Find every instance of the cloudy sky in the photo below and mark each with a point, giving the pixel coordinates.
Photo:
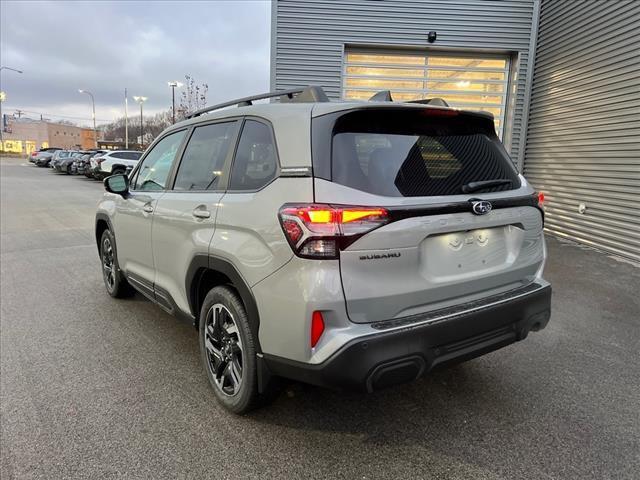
(107, 46)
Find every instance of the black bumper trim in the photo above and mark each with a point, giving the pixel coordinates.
(445, 314)
(387, 358)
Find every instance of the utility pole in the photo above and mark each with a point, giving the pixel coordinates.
(126, 120)
(141, 100)
(3, 96)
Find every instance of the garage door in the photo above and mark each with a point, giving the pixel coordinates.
(472, 82)
(583, 139)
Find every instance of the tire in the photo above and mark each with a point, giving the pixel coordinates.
(117, 171)
(224, 329)
(114, 280)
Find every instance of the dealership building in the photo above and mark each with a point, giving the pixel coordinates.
(562, 79)
(24, 135)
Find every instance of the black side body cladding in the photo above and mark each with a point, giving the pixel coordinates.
(198, 268)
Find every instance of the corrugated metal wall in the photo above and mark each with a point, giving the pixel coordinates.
(309, 37)
(583, 140)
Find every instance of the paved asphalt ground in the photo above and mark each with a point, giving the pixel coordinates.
(94, 387)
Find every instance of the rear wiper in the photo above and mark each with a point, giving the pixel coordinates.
(475, 186)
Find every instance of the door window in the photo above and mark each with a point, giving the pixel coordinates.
(203, 160)
(255, 163)
(155, 169)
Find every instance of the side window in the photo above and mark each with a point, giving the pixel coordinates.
(154, 171)
(255, 163)
(204, 156)
(118, 155)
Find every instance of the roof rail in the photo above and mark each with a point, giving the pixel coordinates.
(385, 96)
(311, 93)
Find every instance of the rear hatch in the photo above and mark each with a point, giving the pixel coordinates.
(458, 222)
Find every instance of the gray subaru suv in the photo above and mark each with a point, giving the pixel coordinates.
(352, 245)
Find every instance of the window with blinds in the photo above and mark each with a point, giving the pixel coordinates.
(469, 82)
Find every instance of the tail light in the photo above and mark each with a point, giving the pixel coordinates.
(541, 199)
(321, 231)
(99, 160)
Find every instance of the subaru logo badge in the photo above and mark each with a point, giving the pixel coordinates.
(481, 207)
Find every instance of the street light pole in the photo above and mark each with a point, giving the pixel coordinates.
(93, 114)
(173, 84)
(126, 120)
(2, 98)
(140, 100)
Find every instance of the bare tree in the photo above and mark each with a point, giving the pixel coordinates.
(153, 126)
(192, 98)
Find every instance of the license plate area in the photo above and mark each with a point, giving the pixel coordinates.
(471, 253)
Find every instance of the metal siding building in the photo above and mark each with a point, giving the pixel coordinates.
(583, 141)
(310, 39)
(580, 99)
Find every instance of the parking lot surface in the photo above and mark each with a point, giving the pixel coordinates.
(98, 388)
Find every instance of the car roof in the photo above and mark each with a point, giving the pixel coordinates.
(276, 111)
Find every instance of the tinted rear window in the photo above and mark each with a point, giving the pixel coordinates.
(409, 153)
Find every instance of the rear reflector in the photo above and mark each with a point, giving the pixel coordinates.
(317, 328)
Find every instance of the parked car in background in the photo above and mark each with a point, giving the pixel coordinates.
(114, 162)
(42, 157)
(83, 164)
(58, 157)
(65, 165)
(78, 160)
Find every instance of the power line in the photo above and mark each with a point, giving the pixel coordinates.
(62, 116)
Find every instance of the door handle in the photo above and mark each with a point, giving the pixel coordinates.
(147, 208)
(201, 213)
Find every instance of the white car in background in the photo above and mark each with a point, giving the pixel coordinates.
(114, 162)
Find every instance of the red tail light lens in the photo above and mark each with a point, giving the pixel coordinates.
(541, 199)
(317, 328)
(320, 231)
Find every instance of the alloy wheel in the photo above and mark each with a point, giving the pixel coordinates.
(108, 267)
(224, 349)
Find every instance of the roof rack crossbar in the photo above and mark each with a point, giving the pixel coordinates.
(435, 101)
(304, 94)
(385, 96)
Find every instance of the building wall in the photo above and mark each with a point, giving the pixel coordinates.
(309, 39)
(583, 139)
(87, 138)
(25, 135)
(64, 136)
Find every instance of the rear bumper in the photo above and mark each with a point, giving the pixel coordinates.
(98, 173)
(405, 353)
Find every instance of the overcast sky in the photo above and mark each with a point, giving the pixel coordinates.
(107, 46)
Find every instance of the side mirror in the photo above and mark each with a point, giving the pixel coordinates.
(118, 184)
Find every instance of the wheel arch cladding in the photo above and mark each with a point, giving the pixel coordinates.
(206, 272)
(102, 224)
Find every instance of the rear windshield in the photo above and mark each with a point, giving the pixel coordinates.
(418, 152)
